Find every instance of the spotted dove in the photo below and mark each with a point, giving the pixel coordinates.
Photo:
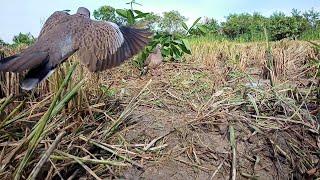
(99, 45)
(154, 59)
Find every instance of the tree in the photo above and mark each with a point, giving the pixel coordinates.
(243, 25)
(172, 22)
(282, 26)
(151, 21)
(2, 43)
(296, 13)
(108, 13)
(212, 25)
(23, 39)
(312, 17)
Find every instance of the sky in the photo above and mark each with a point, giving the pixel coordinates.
(29, 15)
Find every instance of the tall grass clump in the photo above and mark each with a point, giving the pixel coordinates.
(311, 35)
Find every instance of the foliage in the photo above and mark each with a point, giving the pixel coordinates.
(195, 28)
(312, 16)
(244, 24)
(173, 44)
(282, 26)
(172, 22)
(243, 27)
(249, 27)
(173, 48)
(212, 25)
(127, 16)
(23, 39)
(2, 43)
(108, 13)
(151, 21)
(131, 15)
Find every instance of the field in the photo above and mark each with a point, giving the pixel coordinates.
(220, 113)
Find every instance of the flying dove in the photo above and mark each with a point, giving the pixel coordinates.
(99, 45)
(154, 59)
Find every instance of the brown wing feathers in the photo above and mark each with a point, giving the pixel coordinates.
(100, 45)
(134, 40)
(19, 63)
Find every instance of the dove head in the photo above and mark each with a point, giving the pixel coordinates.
(158, 48)
(84, 12)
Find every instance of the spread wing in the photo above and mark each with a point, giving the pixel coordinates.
(104, 45)
(56, 18)
(38, 53)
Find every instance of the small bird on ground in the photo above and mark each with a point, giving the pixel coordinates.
(100, 45)
(153, 61)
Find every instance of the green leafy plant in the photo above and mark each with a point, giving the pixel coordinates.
(195, 28)
(131, 15)
(173, 48)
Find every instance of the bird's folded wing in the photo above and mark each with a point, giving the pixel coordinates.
(104, 45)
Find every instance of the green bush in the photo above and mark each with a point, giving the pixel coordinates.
(22, 38)
(244, 26)
(281, 26)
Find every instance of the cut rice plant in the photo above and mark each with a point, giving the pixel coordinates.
(37, 134)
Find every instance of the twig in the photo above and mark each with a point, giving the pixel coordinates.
(217, 170)
(45, 157)
(80, 161)
(102, 146)
(73, 175)
(193, 165)
(147, 147)
(234, 154)
(283, 120)
(86, 160)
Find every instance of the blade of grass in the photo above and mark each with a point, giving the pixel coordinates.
(131, 106)
(66, 156)
(12, 114)
(270, 60)
(37, 132)
(254, 104)
(79, 161)
(100, 145)
(217, 170)
(6, 103)
(67, 98)
(45, 157)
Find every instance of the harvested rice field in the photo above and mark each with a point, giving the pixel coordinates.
(221, 113)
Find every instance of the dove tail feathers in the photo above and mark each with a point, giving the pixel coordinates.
(36, 75)
(21, 62)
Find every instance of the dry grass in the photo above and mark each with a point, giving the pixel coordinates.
(212, 116)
